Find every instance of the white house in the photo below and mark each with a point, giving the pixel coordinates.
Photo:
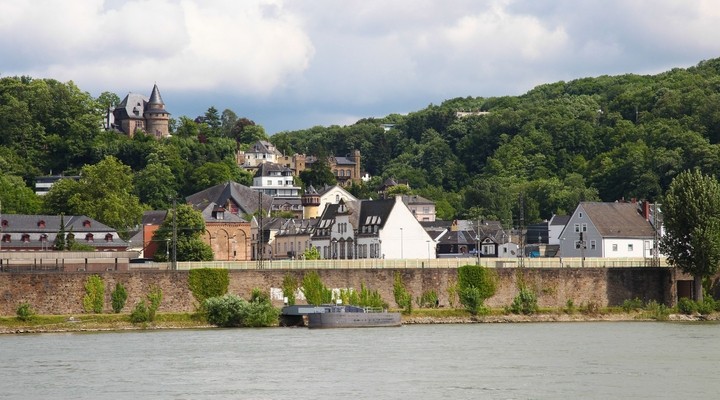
(371, 229)
(608, 230)
(276, 181)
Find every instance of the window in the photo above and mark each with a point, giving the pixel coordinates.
(43, 237)
(577, 244)
(630, 247)
(426, 210)
(592, 245)
(89, 237)
(109, 237)
(577, 227)
(269, 182)
(614, 247)
(584, 227)
(86, 224)
(41, 224)
(488, 249)
(6, 238)
(580, 215)
(25, 238)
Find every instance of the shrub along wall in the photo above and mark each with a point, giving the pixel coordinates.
(62, 293)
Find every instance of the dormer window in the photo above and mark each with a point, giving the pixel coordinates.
(4, 223)
(41, 224)
(43, 238)
(25, 238)
(6, 238)
(109, 237)
(86, 224)
(89, 237)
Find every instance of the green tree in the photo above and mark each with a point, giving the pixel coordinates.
(94, 299)
(16, 197)
(118, 297)
(691, 212)
(319, 174)
(155, 185)
(475, 285)
(314, 290)
(190, 227)
(105, 193)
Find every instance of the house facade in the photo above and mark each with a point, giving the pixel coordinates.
(422, 208)
(371, 229)
(20, 232)
(615, 230)
(226, 209)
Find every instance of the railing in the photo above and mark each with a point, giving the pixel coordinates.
(434, 263)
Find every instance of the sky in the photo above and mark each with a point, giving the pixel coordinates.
(295, 64)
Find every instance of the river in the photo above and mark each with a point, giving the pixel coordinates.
(590, 360)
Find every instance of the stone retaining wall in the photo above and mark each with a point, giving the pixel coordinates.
(62, 293)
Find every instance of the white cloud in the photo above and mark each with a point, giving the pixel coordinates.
(249, 46)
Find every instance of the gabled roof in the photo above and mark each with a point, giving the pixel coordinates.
(266, 168)
(155, 217)
(31, 223)
(264, 147)
(132, 106)
(375, 212)
(559, 220)
(416, 200)
(617, 219)
(245, 198)
(344, 161)
(457, 237)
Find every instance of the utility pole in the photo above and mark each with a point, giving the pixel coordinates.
(174, 236)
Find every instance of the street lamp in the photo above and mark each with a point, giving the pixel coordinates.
(402, 256)
(428, 246)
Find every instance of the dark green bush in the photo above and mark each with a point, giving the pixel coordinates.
(24, 311)
(139, 313)
(118, 297)
(475, 285)
(686, 306)
(429, 299)
(632, 305)
(232, 311)
(707, 306)
(525, 302)
(154, 299)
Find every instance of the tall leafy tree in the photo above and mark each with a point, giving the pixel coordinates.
(189, 227)
(16, 197)
(691, 213)
(105, 192)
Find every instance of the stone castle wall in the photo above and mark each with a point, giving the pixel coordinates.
(62, 292)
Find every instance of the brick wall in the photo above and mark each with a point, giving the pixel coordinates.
(61, 293)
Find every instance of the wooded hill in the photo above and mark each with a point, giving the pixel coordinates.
(604, 138)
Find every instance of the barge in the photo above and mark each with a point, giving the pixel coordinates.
(339, 316)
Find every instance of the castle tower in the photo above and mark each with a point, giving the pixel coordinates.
(356, 171)
(157, 119)
(311, 203)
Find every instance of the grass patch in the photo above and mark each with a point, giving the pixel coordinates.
(97, 322)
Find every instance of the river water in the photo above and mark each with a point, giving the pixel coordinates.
(590, 360)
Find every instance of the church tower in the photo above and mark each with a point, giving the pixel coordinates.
(157, 119)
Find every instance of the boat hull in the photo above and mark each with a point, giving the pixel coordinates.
(353, 320)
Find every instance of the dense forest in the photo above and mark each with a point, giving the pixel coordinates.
(515, 158)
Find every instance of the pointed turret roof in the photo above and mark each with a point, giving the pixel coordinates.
(155, 97)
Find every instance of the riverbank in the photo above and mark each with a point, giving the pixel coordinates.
(115, 322)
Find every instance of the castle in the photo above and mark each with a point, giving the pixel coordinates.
(139, 113)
